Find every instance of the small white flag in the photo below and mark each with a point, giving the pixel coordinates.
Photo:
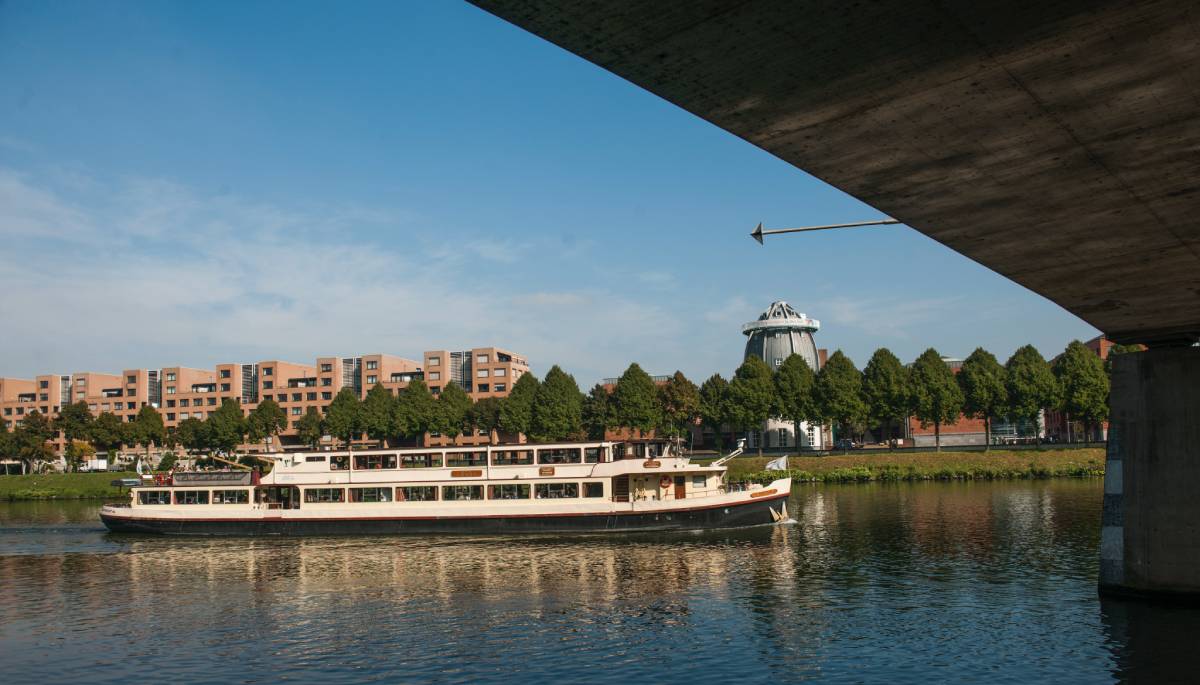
(779, 464)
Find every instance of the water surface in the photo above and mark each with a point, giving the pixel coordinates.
(986, 582)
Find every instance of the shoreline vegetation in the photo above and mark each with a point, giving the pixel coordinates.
(855, 467)
(882, 466)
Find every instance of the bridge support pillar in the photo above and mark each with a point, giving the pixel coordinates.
(1150, 540)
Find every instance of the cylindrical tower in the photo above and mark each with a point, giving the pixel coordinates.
(777, 334)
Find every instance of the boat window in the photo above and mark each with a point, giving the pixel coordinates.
(230, 496)
(512, 457)
(370, 494)
(591, 455)
(416, 493)
(466, 459)
(557, 490)
(508, 491)
(698, 481)
(154, 497)
(452, 493)
(321, 458)
(364, 462)
(562, 455)
(420, 461)
(324, 495)
(593, 489)
(191, 497)
(339, 462)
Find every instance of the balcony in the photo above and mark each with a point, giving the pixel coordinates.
(204, 387)
(302, 383)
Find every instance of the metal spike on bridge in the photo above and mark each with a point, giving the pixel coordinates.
(759, 231)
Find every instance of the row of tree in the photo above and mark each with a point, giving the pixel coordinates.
(884, 393)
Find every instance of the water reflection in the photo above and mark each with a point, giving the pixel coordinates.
(906, 583)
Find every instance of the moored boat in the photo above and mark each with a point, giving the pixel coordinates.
(563, 487)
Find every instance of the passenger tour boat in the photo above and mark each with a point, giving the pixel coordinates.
(566, 487)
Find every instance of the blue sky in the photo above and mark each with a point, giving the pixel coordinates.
(194, 183)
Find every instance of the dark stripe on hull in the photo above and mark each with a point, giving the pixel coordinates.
(746, 514)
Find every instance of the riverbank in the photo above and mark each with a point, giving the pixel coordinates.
(880, 465)
(61, 486)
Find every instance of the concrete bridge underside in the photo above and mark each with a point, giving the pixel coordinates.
(1056, 143)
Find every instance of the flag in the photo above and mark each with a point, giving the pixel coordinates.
(779, 464)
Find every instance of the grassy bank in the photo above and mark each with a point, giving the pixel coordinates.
(872, 465)
(61, 486)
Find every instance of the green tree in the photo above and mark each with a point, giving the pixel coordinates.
(795, 393)
(634, 401)
(679, 404)
(1031, 385)
(936, 397)
(557, 408)
(714, 404)
(885, 389)
(1084, 384)
(415, 409)
(226, 427)
(839, 394)
(147, 429)
(311, 428)
(485, 415)
(344, 418)
(192, 433)
(107, 432)
(981, 380)
(451, 410)
(76, 452)
(516, 416)
(167, 462)
(751, 399)
(30, 440)
(7, 448)
(75, 422)
(266, 420)
(380, 415)
(595, 412)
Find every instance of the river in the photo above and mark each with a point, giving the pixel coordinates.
(900, 583)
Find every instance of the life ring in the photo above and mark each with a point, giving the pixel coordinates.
(664, 482)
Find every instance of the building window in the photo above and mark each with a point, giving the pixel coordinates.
(44, 385)
(370, 494)
(297, 411)
(198, 415)
(435, 389)
(372, 380)
(311, 396)
(326, 382)
(171, 404)
(482, 358)
(508, 491)
(281, 399)
(80, 382)
(416, 493)
(183, 416)
(224, 387)
(434, 361)
(564, 455)
(500, 372)
(296, 396)
(170, 416)
(268, 371)
(512, 457)
(79, 395)
(268, 385)
(211, 401)
(557, 490)
(326, 368)
(131, 379)
(458, 493)
(499, 387)
(44, 397)
(224, 373)
(185, 403)
(326, 495)
(131, 405)
(327, 396)
(482, 387)
(171, 390)
(482, 373)
(593, 489)
(371, 366)
(154, 497)
(230, 496)
(191, 497)
(435, 375)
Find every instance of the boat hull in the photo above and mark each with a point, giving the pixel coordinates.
(760, 511)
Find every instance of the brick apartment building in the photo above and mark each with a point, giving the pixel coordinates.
(181, 392)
